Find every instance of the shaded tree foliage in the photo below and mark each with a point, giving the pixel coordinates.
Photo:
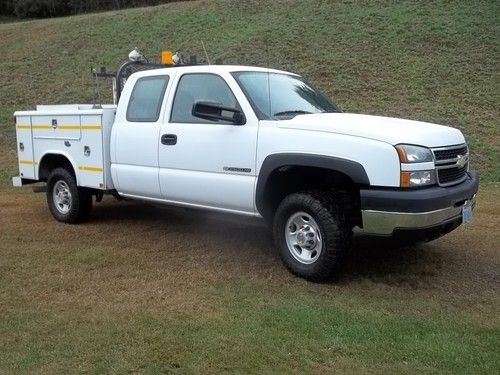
(55, 8)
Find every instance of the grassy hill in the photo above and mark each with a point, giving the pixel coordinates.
(438, 61)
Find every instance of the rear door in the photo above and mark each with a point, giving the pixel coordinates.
(136, 135)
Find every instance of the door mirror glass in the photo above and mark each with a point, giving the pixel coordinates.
(219, 105)
(216, 112)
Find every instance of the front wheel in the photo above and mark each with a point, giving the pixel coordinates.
(67, 202)
(312, 234)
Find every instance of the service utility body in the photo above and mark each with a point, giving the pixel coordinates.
(252, 141)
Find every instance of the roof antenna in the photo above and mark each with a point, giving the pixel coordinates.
(97, 96)
(206, 54)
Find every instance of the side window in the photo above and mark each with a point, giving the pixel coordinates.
(145, 102)
(200, 87)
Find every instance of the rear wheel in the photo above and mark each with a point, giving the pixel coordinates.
(67, 202)
(312, 234)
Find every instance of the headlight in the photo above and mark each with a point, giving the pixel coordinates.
(414, 154)
(418, 178)
(410, 154)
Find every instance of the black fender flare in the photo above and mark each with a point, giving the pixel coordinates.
(352, 169)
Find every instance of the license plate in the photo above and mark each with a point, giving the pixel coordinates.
(467, 213)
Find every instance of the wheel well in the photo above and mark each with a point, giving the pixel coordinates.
(50, 162)
(286, 180)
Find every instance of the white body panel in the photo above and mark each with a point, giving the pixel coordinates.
(385, 129)
(379, 159)
(134, 158)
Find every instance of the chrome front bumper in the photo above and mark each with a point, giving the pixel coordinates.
(385, 222)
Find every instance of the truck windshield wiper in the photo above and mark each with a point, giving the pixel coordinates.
(292, 112)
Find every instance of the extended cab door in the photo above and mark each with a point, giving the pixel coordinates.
(203, 162)
(135, 136)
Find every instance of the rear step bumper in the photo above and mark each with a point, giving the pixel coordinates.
(17, 181)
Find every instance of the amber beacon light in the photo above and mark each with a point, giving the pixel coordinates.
(167, 57)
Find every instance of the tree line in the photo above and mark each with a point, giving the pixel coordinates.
(55, 8)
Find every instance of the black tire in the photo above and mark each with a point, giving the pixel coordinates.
(80, 198)
(335, 233)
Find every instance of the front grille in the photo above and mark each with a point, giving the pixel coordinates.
(452, 164)
(449, 153)
(451, 175)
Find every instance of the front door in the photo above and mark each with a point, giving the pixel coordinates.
(203, 162)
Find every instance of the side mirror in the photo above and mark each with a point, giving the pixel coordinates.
(214, 112)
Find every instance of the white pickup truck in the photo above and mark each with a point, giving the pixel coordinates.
(257, 142)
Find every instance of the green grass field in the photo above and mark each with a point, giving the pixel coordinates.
(146, 290)
(438, 61)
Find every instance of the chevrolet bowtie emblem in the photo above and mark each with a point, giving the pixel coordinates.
(461, 161)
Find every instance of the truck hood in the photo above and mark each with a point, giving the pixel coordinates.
(385, 129)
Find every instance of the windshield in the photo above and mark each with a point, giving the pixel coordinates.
(281, 96)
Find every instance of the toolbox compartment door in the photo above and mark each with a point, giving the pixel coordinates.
(25, 147)
(65, 127)
(89, 153)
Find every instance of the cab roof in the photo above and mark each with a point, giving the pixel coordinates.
(208, 69)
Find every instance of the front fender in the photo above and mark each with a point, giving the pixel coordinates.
(352, 169)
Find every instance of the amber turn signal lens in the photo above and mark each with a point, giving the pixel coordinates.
(405, 179)
(402, 154)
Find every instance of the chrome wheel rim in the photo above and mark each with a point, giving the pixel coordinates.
(303, 238)
(61, 197)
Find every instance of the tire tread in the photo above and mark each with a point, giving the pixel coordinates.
(335, 227)
(81, 204)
